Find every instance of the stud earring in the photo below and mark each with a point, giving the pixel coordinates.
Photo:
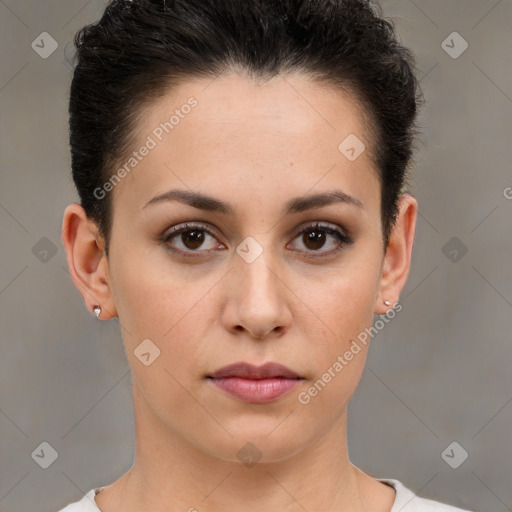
(97, 311)
(387, 302)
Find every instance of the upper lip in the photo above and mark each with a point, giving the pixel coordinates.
(249, 371)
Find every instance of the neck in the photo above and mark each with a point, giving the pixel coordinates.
(170, 474)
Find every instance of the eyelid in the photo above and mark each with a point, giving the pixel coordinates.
(319, 224)
(186, 226)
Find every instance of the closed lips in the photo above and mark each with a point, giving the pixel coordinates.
(244, 370)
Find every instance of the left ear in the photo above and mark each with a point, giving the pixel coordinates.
(397, 260)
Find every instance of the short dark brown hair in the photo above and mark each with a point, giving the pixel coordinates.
(140, 48)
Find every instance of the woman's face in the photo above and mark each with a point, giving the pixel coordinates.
(244, 284)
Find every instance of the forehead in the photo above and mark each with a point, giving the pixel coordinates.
(230, 133)
(287, 105)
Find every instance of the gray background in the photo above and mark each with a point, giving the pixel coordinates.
(438, 373)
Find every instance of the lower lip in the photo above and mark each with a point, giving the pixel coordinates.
(256, 391)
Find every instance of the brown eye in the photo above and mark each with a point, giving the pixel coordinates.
(315, 237)
(190, 238)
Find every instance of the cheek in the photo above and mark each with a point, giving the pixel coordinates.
(157, 302)
(149, 293)
(343, 308)
(159, 320)
(345, 301)
(338, 352)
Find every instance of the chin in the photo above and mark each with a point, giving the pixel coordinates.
(262, 443)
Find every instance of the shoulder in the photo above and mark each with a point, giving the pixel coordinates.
(86, 504)
(407, 501)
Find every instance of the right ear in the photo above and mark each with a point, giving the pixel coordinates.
(87, 261)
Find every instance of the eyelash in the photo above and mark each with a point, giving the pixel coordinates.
(343, 239)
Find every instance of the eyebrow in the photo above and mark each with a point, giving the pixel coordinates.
(295, 205)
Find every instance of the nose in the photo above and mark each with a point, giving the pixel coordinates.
(257, 299)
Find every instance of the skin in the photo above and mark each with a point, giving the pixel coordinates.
(255, 146)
